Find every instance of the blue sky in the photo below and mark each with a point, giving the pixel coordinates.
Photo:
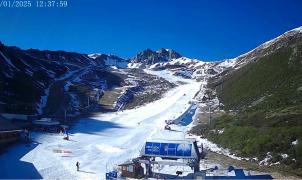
(207, 30)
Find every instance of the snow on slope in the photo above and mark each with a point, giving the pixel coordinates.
(168, 75)
(110, 60)
(8, 61)
(101, 142)
(184, 61)
(191, 63)
(136, 65)
(262, 50)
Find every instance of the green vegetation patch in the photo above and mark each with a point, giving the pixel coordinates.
(263, 104)
(248, 139)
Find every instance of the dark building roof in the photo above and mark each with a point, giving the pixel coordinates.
(6, 125)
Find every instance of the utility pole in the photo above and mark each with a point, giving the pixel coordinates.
(88, 102)
(105, 85)
(218, 104)
(210, 116)
(210, 109)
(221, 87)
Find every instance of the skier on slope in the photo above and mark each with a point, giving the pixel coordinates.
(78, 165)
(67, 136)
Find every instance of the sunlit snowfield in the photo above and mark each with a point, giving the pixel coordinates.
(100, 143)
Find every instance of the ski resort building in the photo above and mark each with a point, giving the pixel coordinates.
(169, 151)
(11, 116)
(9, 133)
(132, 169)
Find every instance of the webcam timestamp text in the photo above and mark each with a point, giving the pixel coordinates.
(33, 3)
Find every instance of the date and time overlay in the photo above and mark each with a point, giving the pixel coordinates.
(33, 4)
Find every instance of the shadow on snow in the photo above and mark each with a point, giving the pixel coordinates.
(187, 117)
(93, 126)
(12, 167)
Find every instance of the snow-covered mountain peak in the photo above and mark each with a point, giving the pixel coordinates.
(298, 29)
(95, 55)
(149, 57)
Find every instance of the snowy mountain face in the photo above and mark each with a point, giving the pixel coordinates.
(35, 70)
(266, 77)
(284, 48)
(149, 57)
(276, 59)
(26, 75)
(288, 39)
(260, 94)
(168, 59)
(110, 60)
(49, 82)
(185, 67)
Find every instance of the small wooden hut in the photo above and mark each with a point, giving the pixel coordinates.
(132, 170)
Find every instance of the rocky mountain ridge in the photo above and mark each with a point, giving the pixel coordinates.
(35, 70)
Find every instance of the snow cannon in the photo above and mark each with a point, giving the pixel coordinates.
(167, 127)
(186, 149)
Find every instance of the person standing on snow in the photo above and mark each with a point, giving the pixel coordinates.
(67, 136)
(78, 166)
(26, 135)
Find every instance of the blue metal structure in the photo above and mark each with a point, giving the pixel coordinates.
(168, 149)
(185, 149)
(172, 149)
(111, 175)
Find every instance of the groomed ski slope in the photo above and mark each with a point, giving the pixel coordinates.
(99, 143)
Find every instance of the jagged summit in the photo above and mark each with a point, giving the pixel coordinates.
(149, 56)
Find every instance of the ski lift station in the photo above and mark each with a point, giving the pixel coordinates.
(172, 149)
(186, 150)
(178, 153)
